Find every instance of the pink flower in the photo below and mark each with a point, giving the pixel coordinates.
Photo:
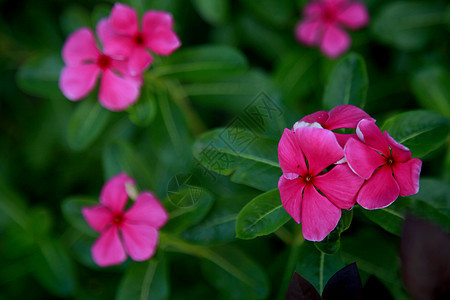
(134, 232)
(342, 116)
(121, 37)
(309, 193)
(385, 164)
(323, 24)
(85, 62)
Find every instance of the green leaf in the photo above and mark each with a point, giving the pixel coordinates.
(71, 209)
(278, 13)
(86, 124)
(73, 18)
(144, 110)
(435, 192)
(214, 12)
(387, 218)
(431, 87)
(406, 25)
(235, 274)
(145, 280)
(347, 83)
(39, 76)
(202, 63)
(332, 242)
(261, 216)
(421, 131)
(13, 206)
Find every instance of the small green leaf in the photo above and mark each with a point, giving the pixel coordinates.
(215, 12)
(347, 83)
(71, 209)
(143, 112)
(332, 242)
(421, 131)
(87, 123)
(144, 281)
(261, 216)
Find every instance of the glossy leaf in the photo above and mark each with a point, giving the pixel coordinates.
(347, 83)
(71, 209)
(421, 131)
(214, 12)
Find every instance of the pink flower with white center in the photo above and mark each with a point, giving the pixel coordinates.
(324, 21)
(85, 63)
(122, 38)
(134, 231)
(309, 193)
(385, 164)
(342, 116)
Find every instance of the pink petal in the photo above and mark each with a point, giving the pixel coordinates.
(319, 147)
(124, 19)
(291, 196)
(400, 153)
(80, 47)
(345, 116)
(290, 155)
(312, 9)
(147, 210)
(320, 117)
(319, 216)
(104, 30)
(309, 32)
(334, 42)
(379, 191)
(98, 217)
(117, 93)
(340, 185)
(119, 47)
(139, 60)
(107, 249)
(342, 138)
(76, 82)
(153, 19)
(140, 241)
(362, 159)
(354, 16)
(114, 194)
(372, 136)
(162, 40)
(407, 176)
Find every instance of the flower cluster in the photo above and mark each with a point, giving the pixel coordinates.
(324, 171)
(134, 232)
(124, 57)
(323, 23)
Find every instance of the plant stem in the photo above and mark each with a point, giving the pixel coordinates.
(322, 259)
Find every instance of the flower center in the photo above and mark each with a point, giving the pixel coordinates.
(104, 61)
(117, 219)
(139, 39)
(390, 161)
(308, 178)
(329, 15)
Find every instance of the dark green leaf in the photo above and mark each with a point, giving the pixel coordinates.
(214, 12)
(261, 216)
(421, 131)
(71, 209)
(347, 83)
(73, 18)
(143, 112)
(276, 13)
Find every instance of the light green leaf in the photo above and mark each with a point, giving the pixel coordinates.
(347, 83)
(71, 209)
(261, 216)
(215, 12)
(421, 131)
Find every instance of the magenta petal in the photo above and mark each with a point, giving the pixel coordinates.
(407, 176)
(98, 217)
(114, 194)
(362, 159)
(117, 93)
(124, 19)
(153, 19)
(147, 210)
(312, 9)
(319, 216)
(340, 185)
(77, 81)
(345, 116)
(119, 46)
(320, 117)
(107, 249)
(104, 30)
(308, 32)
(320, 148)
(354, 16)
(80, 47)
(139, 60)
(399, 152)
(371, 135)
(334, 42)
(140, 240)
(343, 138)
(379, 191)
(290, 155)
(291, 196)
(162, 41)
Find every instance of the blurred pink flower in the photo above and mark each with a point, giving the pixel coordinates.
(309, 193)
(121, 37)
(385, 164)
(84, 63)
(134, 232)
(324, 21)
(342, 116)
